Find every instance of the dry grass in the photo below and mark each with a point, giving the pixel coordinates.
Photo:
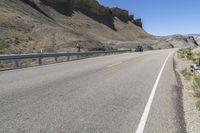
(198, 105)
(186, 74)
(196, 85)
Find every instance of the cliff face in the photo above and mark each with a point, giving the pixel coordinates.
(94, 7)
(59, 25)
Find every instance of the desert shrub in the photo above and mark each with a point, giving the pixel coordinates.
(30, 38)
(3, 44)
(181, 53)
(185, 53)
(186, 74)
(196, 86)
(189, 55)
(17, 41)
(196, 57)
(1, 65)
(198, 105)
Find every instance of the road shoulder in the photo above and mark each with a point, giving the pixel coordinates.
(192, 116)
(166, 114)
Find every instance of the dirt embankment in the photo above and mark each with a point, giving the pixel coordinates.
(192, 115)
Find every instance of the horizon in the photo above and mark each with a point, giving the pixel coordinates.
(166, 17)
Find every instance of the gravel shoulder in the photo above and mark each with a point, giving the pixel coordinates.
(192, 115)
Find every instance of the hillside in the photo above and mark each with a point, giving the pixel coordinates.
(59, 25)
(197, 38)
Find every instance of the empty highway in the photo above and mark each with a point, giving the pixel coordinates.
(126, 93)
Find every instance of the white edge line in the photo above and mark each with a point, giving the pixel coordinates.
(143, 120)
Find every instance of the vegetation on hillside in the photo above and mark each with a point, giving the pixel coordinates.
(187, 74)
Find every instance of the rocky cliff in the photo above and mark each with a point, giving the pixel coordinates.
(94, 7)
(59, 25)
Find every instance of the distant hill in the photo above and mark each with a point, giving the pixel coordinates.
(196, 37)
(59, 25)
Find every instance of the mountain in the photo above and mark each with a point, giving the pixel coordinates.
(196, 37)
(59, 25)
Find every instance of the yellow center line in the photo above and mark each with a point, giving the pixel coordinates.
(114, 64)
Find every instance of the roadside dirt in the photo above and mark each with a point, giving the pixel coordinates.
(192, 115)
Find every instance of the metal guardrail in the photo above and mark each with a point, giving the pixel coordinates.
(40, 56)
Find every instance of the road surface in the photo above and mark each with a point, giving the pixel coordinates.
(108, 94)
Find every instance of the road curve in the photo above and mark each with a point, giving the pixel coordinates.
(98, 95)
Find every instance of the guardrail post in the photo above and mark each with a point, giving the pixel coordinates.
(56, 59)
(79, 50)
(17, 63)
(40, 61)
(68, 58)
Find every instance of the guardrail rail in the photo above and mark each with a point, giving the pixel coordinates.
(40, 56)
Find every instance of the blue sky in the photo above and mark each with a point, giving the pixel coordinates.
(163, 17)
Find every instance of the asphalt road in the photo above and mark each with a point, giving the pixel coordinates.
(105, 94)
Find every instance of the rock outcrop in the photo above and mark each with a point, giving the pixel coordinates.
(138, 22)
(119, 12)
(94, 7)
